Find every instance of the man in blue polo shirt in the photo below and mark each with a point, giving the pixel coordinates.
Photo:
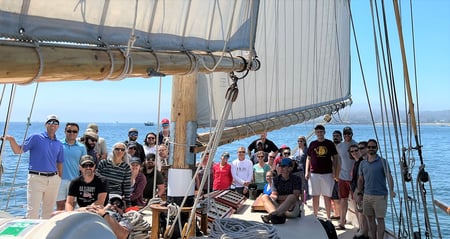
(45, 168)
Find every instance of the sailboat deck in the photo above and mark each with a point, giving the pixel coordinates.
(308, 226)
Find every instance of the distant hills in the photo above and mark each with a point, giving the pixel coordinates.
(435, 117)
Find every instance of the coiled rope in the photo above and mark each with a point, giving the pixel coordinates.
(237, 228)
(141, 227)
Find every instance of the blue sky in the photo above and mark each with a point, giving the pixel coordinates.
(136, 100)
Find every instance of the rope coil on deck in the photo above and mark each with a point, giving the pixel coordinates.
(237, 228)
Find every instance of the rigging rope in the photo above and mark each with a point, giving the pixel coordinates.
(24, 136)
(390, 113)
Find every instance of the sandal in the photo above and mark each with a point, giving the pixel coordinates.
(335, 217)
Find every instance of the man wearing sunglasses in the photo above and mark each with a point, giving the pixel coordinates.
(372, 190)
(45, 168)
(88, 188)
(73, 150)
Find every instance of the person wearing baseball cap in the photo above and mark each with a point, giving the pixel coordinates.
(164, 134)
(284, 200)
(88, 188)
(45, 167)
(132, 139)
(100, 147)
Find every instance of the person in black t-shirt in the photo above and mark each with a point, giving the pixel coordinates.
(88, 188)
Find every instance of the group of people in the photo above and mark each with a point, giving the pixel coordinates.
(77, 172)
(337, 170)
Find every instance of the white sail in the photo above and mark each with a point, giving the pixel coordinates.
(304, 49)
(157, 25)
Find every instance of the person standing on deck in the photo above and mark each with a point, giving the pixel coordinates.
(355, 154)
(149, 173)
(100, 147)
(73, 150)
(335, 202)
(164, 134)
(242, 171)
(345, 173)
(90, 141)
(321, 168)
(45, 168)
(259, 147)
(222, 173)
(268, 145)
(299, 157)
(132, 137)
(150, 143)
(372, 189)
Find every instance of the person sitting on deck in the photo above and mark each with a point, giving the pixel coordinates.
(284, 200)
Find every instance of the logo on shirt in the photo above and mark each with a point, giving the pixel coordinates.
(321, 151)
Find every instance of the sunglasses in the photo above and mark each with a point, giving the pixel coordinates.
(371, 147)
(287, 153)
(241, 152)
(120, 149)
(150, 137)
(134, 148)
(71, 131)
(260, 156)
(133, 134)
(354, 151)
(87, 165)
(53, 122)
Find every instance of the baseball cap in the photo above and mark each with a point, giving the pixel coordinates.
(89, 133)
(226, 155)
(51, 117)
(86, 159)
(93, 126)
(347, 130)
(165, 122)
(286, 162)
(135, 160)
(131, 144)
(132, 130)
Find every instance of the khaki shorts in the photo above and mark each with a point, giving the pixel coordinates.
(375, 205)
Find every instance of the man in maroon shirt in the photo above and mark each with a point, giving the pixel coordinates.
(321, 169)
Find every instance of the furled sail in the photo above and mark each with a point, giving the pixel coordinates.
(304, 47)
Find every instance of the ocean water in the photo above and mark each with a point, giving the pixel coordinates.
(434, 139)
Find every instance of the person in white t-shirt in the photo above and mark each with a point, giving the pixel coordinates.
(242, 171)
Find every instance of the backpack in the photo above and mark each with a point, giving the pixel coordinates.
(329, 228)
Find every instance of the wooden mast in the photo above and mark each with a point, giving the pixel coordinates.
(184, 118)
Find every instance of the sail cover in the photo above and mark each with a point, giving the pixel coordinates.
(177, 25)
(304, 48)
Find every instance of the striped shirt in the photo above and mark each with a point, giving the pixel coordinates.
(118, 178)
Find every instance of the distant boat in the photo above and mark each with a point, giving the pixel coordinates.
(149, 123)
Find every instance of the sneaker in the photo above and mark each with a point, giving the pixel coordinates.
(265, 218)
